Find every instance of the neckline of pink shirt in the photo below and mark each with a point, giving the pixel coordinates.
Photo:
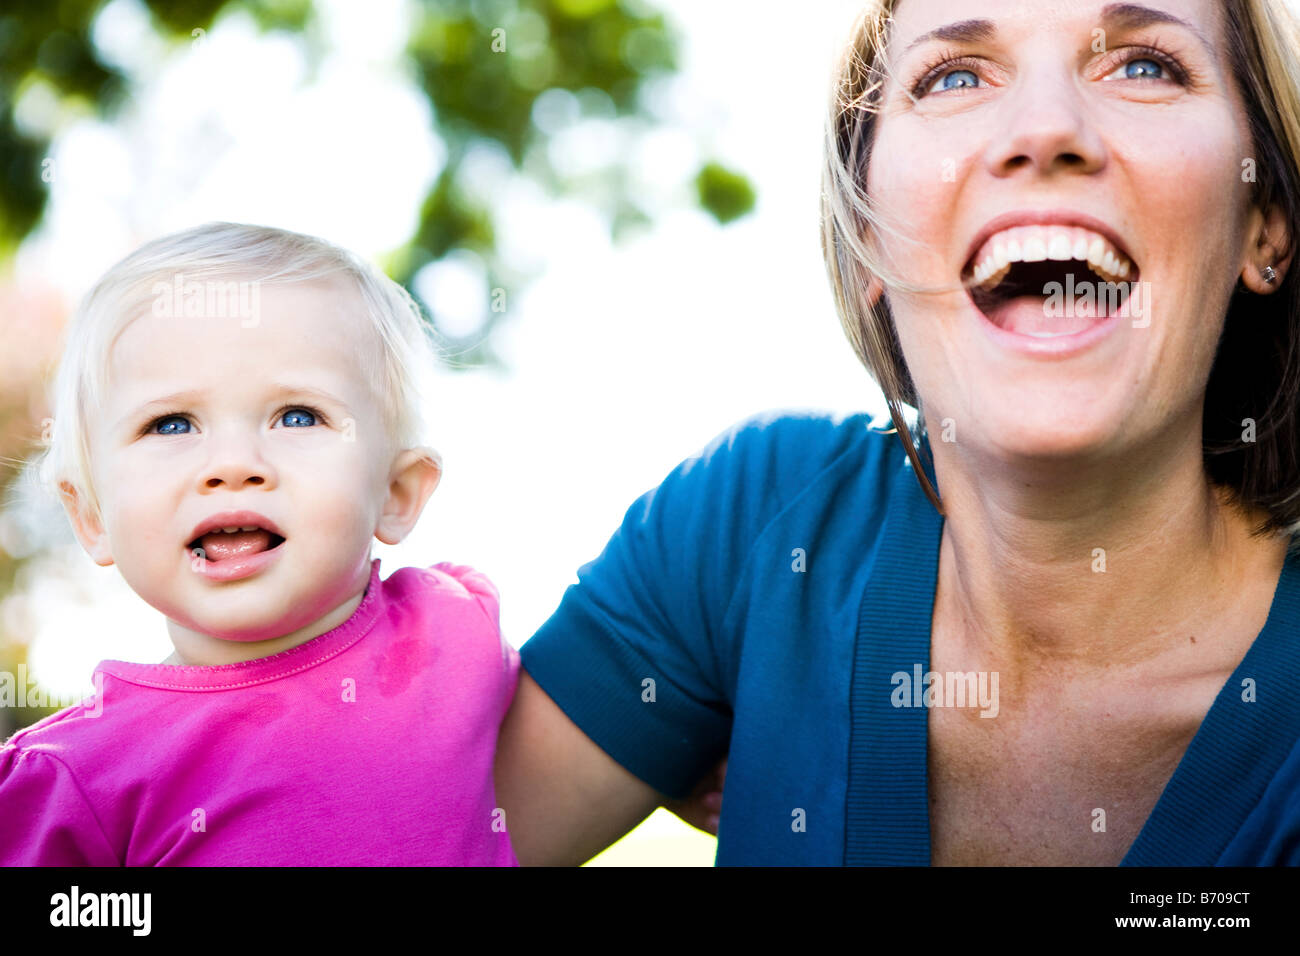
(242, 674)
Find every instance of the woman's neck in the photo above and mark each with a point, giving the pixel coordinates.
(1096, 564)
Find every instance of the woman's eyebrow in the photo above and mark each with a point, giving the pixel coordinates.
(1116, 16)
(964, 31)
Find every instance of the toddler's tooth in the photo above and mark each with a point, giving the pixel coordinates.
(1124, 269)
(1059, 248)
(999, 255)
(1035, 249)
(1014, 251)
(1080, 250)
(1109, 263)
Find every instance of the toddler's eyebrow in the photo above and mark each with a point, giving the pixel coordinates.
(190, 395)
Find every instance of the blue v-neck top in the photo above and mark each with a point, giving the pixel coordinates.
(761, 603)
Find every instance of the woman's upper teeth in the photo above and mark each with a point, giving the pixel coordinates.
(1036, 243)
(245, 528)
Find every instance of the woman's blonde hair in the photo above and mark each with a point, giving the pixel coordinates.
(1256, 372)
(216, 255)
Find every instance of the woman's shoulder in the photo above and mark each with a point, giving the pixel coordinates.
(783, 455)
(813, 436)
(805, 472)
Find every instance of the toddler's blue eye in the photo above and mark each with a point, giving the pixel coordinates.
(169, 431)
(302, 412)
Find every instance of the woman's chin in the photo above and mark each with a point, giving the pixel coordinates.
(1040, 434)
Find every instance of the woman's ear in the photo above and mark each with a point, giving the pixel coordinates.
(415, 474)
(1272, 246)
(89, 528)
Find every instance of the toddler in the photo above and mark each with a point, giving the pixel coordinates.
(237, 414)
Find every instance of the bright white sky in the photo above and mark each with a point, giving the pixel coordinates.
(624, 360)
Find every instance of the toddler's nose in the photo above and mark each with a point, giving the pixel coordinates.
(234, 467)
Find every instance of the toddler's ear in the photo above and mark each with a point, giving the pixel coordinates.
(416, 472)
(87, 527)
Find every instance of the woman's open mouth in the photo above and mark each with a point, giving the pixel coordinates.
(1050, 282)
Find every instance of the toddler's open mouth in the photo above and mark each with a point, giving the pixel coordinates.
(223, 545)
(230, 535)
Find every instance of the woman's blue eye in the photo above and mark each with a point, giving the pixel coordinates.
(172, 418)
(947, 76)
(957, 73)
(1128, 68)
(301, 412)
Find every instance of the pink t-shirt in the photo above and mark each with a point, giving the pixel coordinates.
(371, 744)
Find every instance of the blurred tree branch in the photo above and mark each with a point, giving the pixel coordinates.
(482, 64)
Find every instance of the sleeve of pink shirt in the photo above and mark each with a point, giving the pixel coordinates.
(489, 599)
(62, 829)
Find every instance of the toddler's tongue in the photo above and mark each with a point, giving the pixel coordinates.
(223, 545)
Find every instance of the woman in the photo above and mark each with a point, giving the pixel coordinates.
(1095, 549)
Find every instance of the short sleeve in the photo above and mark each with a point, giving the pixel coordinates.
(488, 598)
(478, 584)
(44, 817)
(636, 654)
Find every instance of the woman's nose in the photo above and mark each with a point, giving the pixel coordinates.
(1044, 123)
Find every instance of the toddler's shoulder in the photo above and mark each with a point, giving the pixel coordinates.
(45, 817)
(461, 579)
(82, 721)
(461, 609)
(49, 786)
(450, 592)
(451, 584)
(89, 739)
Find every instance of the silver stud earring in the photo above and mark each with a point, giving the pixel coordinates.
(1269, 274)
